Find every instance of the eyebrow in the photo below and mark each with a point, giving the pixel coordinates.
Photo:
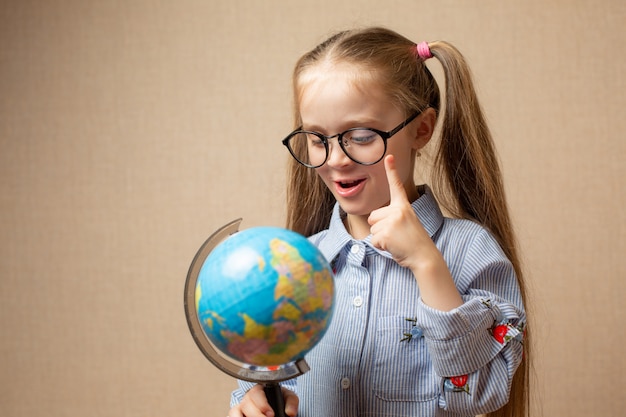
(355, 123)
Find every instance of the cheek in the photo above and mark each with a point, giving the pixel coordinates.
(406, 168)
(380, 181)
(405, 161)
(322, 172)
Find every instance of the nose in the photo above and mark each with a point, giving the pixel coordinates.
(336, 155)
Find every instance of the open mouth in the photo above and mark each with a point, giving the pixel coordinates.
(349, 184)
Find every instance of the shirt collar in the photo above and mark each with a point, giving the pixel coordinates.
(337, 237)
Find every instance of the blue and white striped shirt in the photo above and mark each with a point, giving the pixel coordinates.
(362, 367)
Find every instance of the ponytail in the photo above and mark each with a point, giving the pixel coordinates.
(466, 159)
(466, 166)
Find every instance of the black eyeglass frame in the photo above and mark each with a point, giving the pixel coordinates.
(384, 135)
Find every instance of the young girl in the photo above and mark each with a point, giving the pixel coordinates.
(429, 311)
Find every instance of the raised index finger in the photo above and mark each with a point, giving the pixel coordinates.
(397, 193)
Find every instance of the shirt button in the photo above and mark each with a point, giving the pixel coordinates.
(357, 301)
(354, 249)
(345, 383)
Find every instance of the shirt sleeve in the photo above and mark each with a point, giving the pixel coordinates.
(477, 347)
(244, 386)
(237, 395)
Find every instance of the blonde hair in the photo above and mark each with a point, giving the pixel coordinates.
(468, 178)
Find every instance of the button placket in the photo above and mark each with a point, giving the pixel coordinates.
(356, 254)
(355, 258)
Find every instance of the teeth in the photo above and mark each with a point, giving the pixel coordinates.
(349, 184)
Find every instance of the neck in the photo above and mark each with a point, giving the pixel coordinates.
(357, 226)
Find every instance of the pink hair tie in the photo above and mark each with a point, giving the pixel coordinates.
(423, 51)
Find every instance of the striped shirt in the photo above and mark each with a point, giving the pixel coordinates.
(387, 354)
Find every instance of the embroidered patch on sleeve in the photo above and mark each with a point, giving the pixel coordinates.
(457, 384)
(504, 330)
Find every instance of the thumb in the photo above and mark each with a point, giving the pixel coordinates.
(397, 193)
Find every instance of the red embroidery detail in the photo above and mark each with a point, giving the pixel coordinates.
(500, 331)
(459, 381)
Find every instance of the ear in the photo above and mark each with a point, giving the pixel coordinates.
(425, 128)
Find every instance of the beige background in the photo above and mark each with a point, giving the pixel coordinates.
(130, 130)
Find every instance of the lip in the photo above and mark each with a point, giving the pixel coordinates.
(351, 191)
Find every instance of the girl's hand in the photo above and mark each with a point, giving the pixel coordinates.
(396, 229)
(254, 404)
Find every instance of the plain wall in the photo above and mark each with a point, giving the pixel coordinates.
(131, 130)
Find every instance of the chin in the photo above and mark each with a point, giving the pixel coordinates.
(355, 209)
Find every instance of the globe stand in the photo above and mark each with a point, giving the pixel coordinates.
(268, 377)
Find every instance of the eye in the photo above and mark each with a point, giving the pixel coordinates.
(314, 141)
(361, 137)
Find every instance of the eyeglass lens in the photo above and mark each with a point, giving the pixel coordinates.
(361, 145)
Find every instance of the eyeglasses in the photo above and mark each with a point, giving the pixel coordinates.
(365, 146)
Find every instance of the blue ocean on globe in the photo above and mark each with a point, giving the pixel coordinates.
(264, 296)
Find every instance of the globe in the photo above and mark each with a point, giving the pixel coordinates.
(264, 296)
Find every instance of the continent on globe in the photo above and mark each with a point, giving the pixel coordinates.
(264, 296)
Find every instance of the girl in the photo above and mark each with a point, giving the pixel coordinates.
(429, 311)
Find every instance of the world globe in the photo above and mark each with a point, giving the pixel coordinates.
(264, 296)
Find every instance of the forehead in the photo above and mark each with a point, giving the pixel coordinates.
(328, 92)
(333, 74)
